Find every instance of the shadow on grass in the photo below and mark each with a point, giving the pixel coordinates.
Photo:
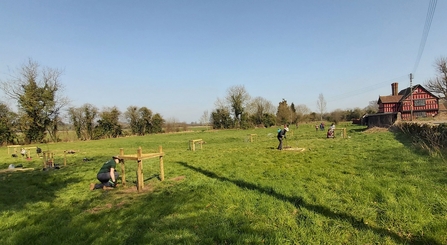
(19, 189)
(299, 202)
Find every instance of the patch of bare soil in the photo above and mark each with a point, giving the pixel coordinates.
(293, 149)
(376, 130)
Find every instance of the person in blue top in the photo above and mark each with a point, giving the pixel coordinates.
(107, 175)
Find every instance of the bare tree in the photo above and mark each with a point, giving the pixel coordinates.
(438, 85)
(205, 119)
(237, 97)
(321, 105)
(258, 108)
(372, 107)
(302, 111)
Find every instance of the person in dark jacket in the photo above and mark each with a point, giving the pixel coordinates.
(107, 175)
(282, 135)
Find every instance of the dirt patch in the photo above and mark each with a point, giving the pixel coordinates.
(178, 178)
(376, 130)
(293, 149)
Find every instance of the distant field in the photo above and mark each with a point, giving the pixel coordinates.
(372, 188)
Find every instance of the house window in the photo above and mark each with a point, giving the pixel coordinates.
(420, 114)
(419, 103)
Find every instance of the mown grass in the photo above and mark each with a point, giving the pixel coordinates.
(372, 188)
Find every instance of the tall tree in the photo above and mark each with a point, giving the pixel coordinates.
(237, 97)
(132, 117)
(157, 124)
(321, 105)
(83, 120)
(90, 115)
(108, 124)
(37, 92)
(75, 117)
(283, 114)
(8, 125)
(438, 85)
(220, 119)
(145, 119)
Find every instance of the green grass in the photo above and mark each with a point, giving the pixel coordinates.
(372, 188)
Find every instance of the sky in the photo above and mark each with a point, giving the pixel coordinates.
(178, 57)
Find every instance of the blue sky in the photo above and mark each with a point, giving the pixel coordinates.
(178, 57)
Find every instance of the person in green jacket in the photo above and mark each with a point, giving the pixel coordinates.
(107, 175)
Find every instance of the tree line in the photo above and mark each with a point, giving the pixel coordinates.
(37, 90)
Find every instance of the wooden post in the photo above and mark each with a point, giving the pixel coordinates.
(123, 168)
(44, 159)
(162, 170)
(193, 145)
(140, 180)
(52, 159)
(65, 158)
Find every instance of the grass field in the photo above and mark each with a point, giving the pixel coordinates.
(372, 188)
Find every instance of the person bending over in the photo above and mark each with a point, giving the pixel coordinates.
(282, 135)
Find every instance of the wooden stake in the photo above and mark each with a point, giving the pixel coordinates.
(140, 179)
(123, 168)
(162, 170)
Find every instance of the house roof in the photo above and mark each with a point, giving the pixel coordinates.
(390, 98)
(402, 95)
(406, 92)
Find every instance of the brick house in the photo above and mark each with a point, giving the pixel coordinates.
(397, 106)
(425, 104)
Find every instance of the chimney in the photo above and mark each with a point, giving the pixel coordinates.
(394, 88)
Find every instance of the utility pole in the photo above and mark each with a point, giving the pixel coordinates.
(411, 96)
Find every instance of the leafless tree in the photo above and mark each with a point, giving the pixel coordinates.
(321, 105)
(258, 108)
(438, 85)
(302, 112)
(205, 119)
(237, 97)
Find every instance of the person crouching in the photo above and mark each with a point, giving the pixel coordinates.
(107, 175)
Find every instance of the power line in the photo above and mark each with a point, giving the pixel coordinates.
(428, 20)
(364, 89)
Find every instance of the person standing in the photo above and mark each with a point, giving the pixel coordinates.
(107, 175)
(282, 135)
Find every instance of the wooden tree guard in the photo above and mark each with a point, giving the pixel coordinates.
(48, 159)
(343, 132)
(192, 144)
(14, 148)
(252, 137)
(139, 157)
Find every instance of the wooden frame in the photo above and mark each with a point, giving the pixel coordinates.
(192, 144)
(344, 135)
(252, 137)
(48, 159)
(139, 157)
